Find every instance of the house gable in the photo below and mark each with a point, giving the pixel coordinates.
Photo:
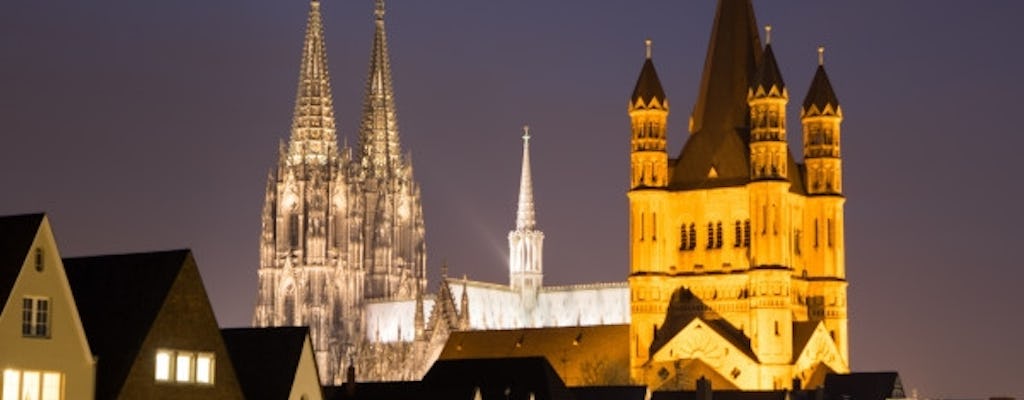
(134, 305)
(54, 340)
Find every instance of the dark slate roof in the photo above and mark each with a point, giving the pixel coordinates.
(720, 395)
(863, 386)
(265, 359)
(768, 73)
(17, 232)
(648, 86)
(378, 391)
(820, 93)
(118, 299)
(609, 392)
(720, 119)
(497, 379)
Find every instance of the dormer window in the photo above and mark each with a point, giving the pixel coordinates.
(184, 367)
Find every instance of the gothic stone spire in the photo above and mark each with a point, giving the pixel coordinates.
(313, 135)
(378, 133)
(525, 216)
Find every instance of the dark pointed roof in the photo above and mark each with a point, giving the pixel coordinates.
(648, 86)
(720, 120)
(265, 359)
(864, 386)
(118, 299)
(820, 94)
(768, 74)
(497, 379)
(734, 53)
(17, 232)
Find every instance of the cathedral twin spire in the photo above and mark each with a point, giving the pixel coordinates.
(313, 135)
(378, 131)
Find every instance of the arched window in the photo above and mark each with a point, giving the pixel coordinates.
(739, 234)
(718, 235)
(293, 230)
(711, 236)
(746, 233)
(693, 236)
(683, 240)
(816, 233)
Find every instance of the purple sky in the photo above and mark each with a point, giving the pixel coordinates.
(145, 125)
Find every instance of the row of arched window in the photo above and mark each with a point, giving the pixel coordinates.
(715, 235)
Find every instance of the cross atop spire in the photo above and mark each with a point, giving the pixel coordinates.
(525, 215)
(313, 131)
(378, 131)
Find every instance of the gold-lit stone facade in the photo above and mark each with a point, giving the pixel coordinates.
(737, 268)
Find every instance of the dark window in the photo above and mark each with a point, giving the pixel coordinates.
(293, 230)
(693, 236)
(739, 234)
(711, 235)
(746, 233)
(35, 317)
(683, 240)
(39, 260)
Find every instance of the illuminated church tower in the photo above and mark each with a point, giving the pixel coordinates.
(736, 251)
(338, 229)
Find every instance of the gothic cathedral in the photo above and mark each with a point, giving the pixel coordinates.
(339, 229)
(737, 269)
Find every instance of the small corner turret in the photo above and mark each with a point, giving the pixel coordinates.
(821, 117)
(648, 111)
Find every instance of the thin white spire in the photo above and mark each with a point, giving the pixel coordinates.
(525, 216)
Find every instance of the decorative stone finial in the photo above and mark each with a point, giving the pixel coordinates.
(526, 132)
(379, 9)
(767, 34)
(821, 55)
(647, 44)
(444, 269)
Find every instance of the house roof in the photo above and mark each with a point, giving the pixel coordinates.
(802, 332)
(265, 359)
(377, 391)
(118, 299)
(609, 392)
(863, 386)
(721, 395)
(496, 379)
(17, 232)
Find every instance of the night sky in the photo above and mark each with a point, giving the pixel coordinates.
(144, 125)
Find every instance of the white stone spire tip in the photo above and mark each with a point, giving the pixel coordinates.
(767, 34)
(821, 55)
(526, 132)
(647, 46)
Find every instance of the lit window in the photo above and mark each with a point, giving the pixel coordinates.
(204, 368)
(183, 367)
(12, 382)
(35, 317)
(52, 386)
(163, 365)
(30, 385)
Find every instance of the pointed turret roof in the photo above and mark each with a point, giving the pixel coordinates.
(719, 124)
(648, 86)
(768, 74)
(525, 215)
(314, 105)
(820, 94)
(378, 132)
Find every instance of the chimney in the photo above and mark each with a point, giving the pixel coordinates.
(703, 389)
